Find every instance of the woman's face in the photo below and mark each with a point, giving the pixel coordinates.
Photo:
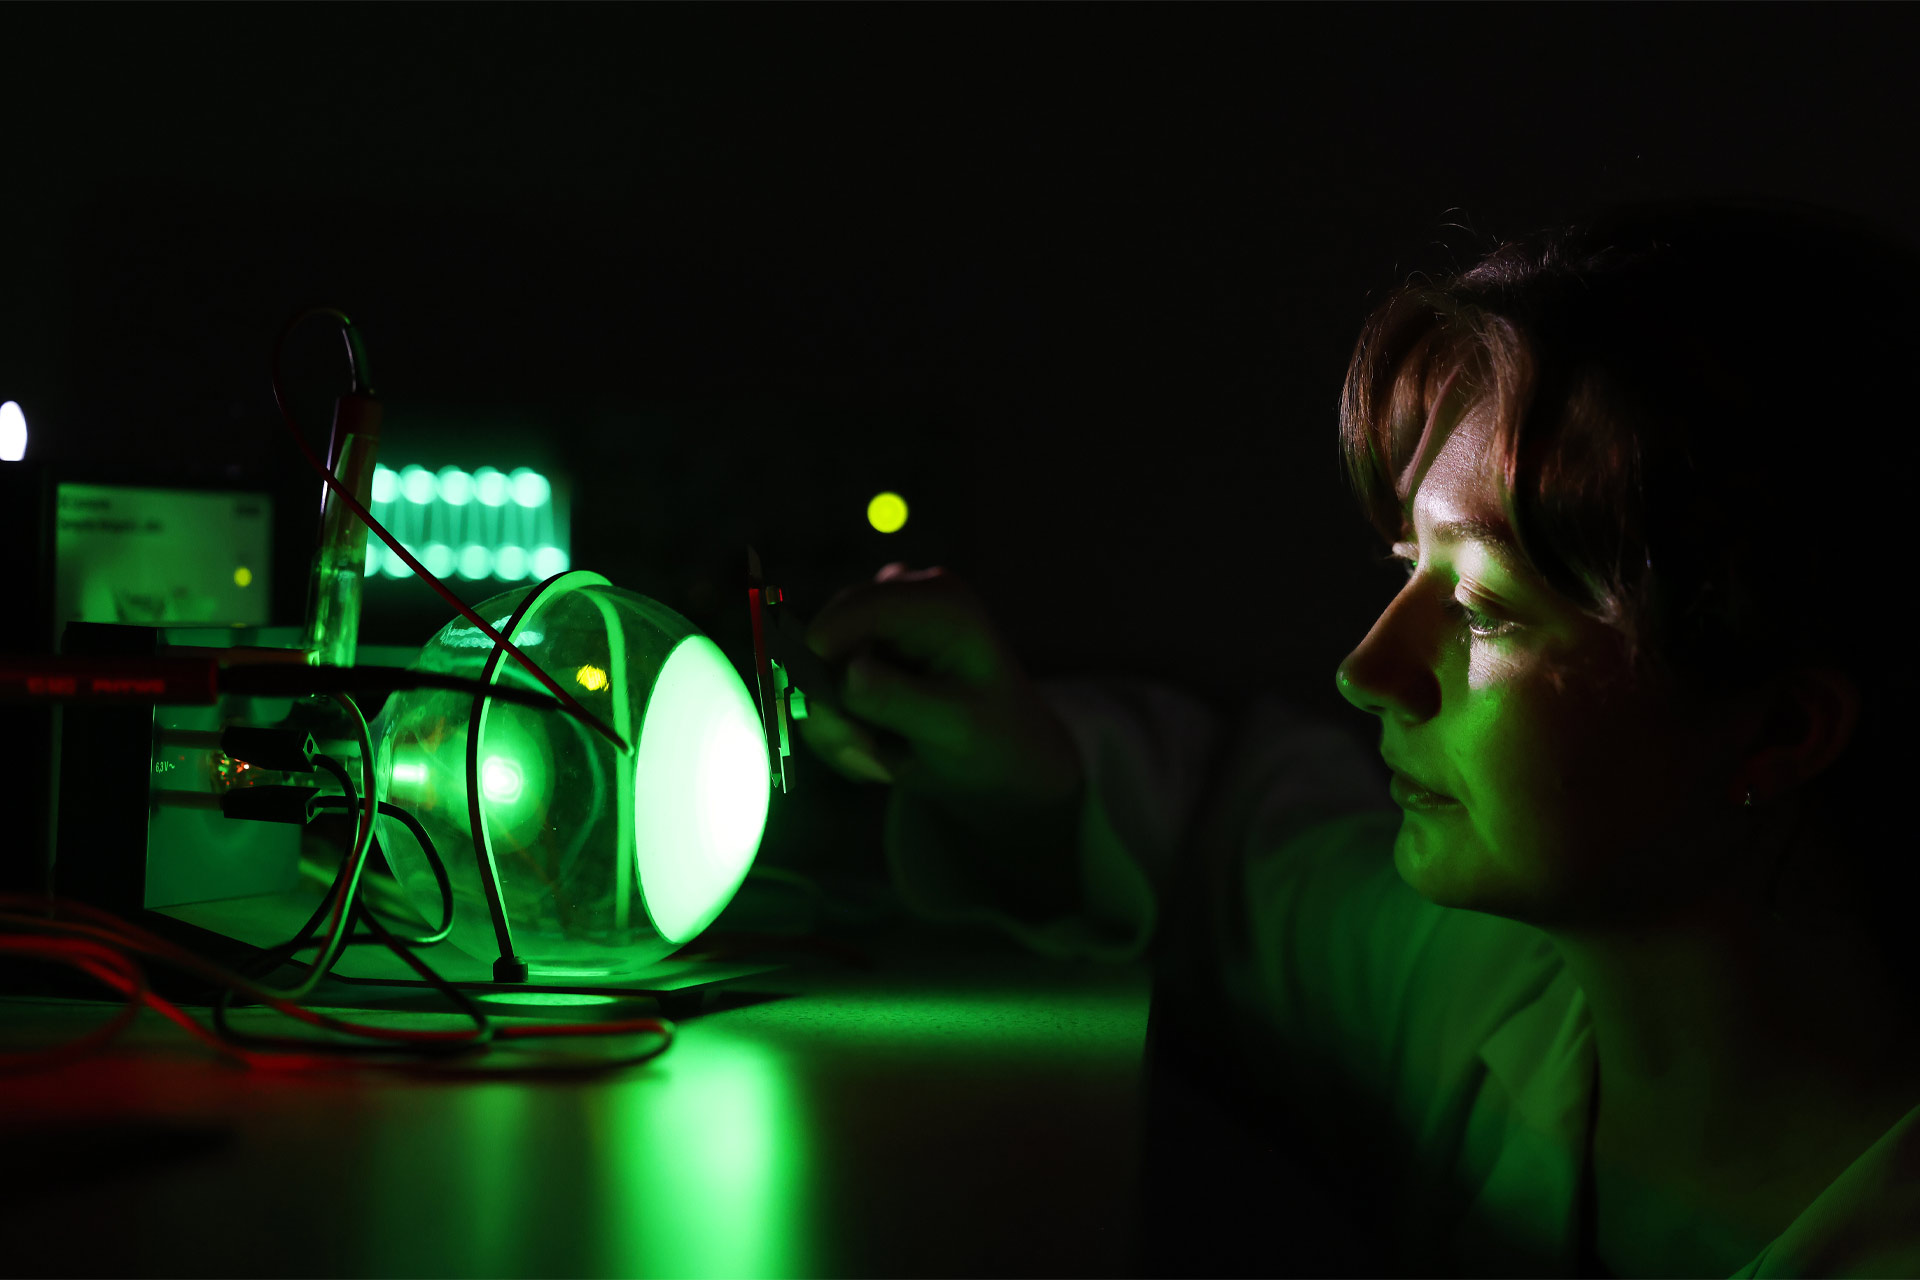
(1579, 798)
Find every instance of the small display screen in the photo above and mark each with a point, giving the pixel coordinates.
(163, 556)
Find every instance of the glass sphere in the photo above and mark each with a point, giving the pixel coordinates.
(606, 860)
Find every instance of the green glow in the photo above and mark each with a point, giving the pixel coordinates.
(417, 484)
(490, 486)
(456, 486)
(608, 860)
(551, 999)
(515, 775)
(501, 779)
(731, 1155)
(530, 488)
(487, 1136)
(887, 512)
(724, 1174)
(701, 788)
(509, 527)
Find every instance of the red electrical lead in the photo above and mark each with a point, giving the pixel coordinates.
(99, 950)
(419, 569)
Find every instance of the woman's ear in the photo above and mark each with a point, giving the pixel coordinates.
(1810, 721)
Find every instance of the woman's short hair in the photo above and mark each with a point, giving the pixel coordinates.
(1704, 420)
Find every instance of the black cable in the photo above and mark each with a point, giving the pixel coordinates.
(304, 938)
(420, 570)
(400, 948)
(412, 824)
(290, 679)
(357, 912)
(276, 956)
(345, 887)
(451, 1048)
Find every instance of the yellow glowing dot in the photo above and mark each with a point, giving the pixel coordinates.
(887, 512)
(242, 576)
(591, 677)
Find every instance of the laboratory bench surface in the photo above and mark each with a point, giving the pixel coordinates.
(960, 1108)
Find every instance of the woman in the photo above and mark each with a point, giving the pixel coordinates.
(1632, 994)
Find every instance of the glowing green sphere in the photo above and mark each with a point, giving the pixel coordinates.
(606, 860)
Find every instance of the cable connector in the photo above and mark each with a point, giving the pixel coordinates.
(289, 750)
(271, 804)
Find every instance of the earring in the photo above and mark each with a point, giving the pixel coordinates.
(1749, 803)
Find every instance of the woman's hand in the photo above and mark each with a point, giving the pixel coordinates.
(936, 704)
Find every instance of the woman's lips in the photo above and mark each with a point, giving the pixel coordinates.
(1411, 795)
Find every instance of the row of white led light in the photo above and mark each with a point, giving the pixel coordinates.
(421, 524)
(472, 562)
(486, 485)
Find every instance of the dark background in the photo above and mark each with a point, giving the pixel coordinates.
(1079, 281)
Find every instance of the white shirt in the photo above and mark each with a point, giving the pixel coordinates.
(1445, 1054)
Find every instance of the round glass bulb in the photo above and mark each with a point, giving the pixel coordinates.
(606, 860)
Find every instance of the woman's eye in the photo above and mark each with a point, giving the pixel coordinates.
(1480, 624)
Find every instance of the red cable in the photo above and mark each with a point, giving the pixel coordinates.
(122, 973)
(93, 959)
(421, 570)
(135, 938)
(130, 979)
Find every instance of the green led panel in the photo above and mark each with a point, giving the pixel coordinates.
(480, 525)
